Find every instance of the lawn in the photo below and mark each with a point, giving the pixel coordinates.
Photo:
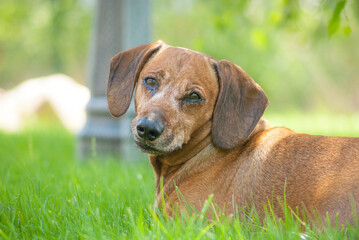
(47, 193)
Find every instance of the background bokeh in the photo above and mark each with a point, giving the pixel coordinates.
(304, 53)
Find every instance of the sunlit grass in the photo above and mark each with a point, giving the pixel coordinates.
(47, 193)
(324, 123)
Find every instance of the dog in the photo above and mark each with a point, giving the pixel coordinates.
(200, 121)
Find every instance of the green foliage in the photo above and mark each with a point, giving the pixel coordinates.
(284, 45)
(46, 193)
(335, 20)
(304, 53)
(42, 37)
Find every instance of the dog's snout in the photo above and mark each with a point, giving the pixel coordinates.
(149, 129)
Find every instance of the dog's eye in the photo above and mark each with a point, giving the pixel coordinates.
(193, 97)
(151, 82)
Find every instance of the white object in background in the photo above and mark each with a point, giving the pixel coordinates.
(67, 98)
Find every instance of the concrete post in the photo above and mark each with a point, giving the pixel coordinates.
(118, 25)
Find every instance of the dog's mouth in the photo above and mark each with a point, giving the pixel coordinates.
(148, 149)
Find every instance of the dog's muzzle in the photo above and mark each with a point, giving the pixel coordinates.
(149, 129)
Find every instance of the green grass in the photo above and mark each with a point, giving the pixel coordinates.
(46, 193)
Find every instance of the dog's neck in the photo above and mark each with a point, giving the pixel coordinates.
(185, 159)
(166, 165)
(199, 140)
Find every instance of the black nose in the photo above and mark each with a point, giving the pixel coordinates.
(149, 129)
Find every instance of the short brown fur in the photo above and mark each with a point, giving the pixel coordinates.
(221, 145)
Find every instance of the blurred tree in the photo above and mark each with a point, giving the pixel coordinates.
(303, 52)
(40, 37)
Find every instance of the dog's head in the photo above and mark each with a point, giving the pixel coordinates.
(178, 91)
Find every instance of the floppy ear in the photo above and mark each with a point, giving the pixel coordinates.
(124, 72)
(240, 104)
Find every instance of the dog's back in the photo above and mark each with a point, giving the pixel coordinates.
(318, 173)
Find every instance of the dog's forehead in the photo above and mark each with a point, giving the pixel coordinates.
(177, 59)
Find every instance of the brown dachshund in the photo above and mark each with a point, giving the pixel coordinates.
(199, 119)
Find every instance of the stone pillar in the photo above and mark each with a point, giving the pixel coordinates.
(118, 25)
